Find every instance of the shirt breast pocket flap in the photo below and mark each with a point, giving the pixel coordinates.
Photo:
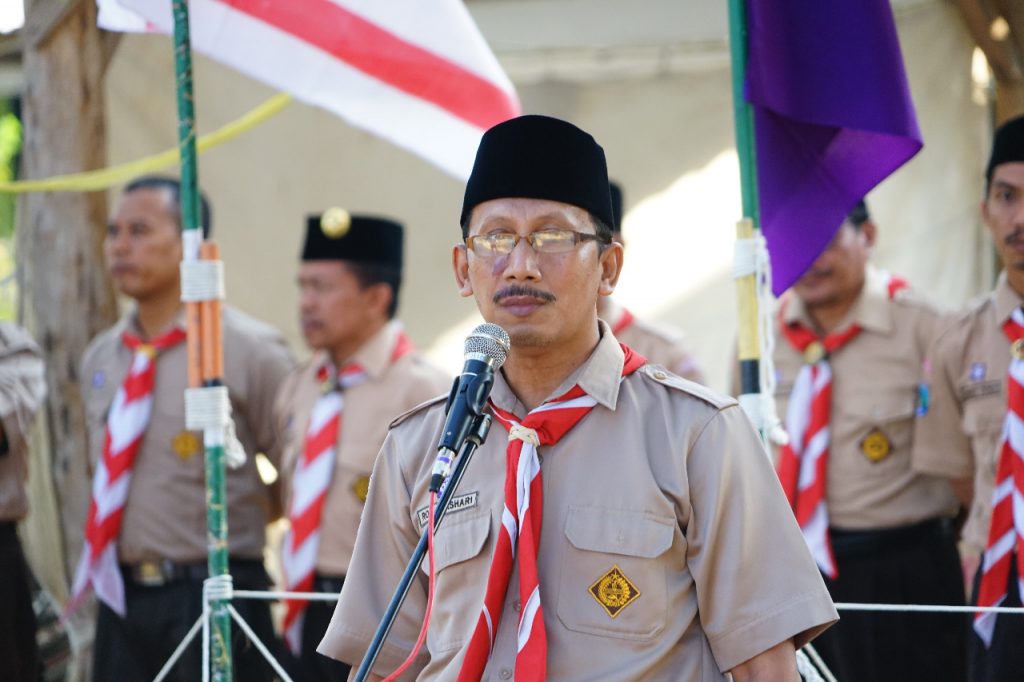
(458, 540)
(614, 576)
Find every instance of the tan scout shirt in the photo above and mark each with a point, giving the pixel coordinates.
(875, 380)
(391, 389)
(165, 516)
(660, 344)
(960, 434)
(664, 482)
(22, 389)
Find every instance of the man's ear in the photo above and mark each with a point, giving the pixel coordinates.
(870, 231)
(460, 265)
(611, 268)
(381, 295)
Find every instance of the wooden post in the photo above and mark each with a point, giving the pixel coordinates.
(65, 297)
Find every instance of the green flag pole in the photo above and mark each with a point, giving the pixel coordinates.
(746, 287)
(216, 486)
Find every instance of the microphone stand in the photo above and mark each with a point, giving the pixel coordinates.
(477, 434)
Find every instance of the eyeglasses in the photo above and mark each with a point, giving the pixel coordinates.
(544, 241)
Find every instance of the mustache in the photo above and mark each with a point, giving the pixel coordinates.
(520, 290)
(1016, 236)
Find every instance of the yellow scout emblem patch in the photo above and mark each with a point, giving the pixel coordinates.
(186, 444)
(814, 352)
(361, 487)
(876, 446)
(614, 591)
(335, 222)
(1017, 349)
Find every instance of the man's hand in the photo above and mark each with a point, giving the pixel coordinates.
(777, 664)
(969, 562)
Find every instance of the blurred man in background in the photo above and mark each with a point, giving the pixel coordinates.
(333, 412)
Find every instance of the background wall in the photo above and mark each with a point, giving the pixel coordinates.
(650, 79)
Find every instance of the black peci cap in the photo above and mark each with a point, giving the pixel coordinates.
(539, 157)
(616, 196)
(336, 235)
(1007, 145)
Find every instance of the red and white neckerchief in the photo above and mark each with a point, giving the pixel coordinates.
(520, 533)
(127, 420)
(626, 318)
(803, 462)
(313, 474)
(1006, 533)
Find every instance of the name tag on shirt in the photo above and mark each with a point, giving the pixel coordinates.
(980, 388)
(456, 504)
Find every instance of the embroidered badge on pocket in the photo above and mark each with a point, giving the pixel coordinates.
(614, 591)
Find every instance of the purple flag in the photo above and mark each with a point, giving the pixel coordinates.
(833, 118)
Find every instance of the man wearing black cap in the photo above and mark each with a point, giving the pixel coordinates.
(613, 524)
(333, 412)
(973, 429)
(850, 340)
(659, 343)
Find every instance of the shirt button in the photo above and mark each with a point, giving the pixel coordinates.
(515, 605)
(660, 376)
(506, 674)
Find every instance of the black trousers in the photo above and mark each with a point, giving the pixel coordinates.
(1004, 660)
(19, 655)
(136, 647)
(911, 565)
(311, 666)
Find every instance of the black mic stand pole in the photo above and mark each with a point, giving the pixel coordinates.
(477, 435)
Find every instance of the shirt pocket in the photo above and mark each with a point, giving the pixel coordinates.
(880, 432)
(457, 542)
(613, 579)
(983, 424)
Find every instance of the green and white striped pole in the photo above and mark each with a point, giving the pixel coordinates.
(748, 337)
(216, 486)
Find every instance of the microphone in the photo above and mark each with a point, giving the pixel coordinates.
(486, 348)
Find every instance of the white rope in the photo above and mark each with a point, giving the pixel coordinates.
(259, 644)
(806, 669)
(813, 654)
(750, 257)
(270, 595)
(189, 636)
(191, 240)
(928, 608)
(744, 258)
(771, 424)
(202, 280)
(208, 409)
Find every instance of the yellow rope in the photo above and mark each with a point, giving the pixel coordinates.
(91, 181)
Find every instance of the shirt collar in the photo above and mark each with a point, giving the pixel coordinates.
(1007, 300)
(374, 356)
(600, 376)
(870, 311)
(130, 323)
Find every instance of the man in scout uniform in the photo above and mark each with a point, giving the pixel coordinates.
(333, 412)
(972, 430)
(146, 533)
(659, 343)
(22, 389)
(850, 342)
(643, 554)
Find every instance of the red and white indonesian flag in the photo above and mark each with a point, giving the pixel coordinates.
(417, 73)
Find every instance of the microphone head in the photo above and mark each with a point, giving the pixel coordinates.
(491, 341)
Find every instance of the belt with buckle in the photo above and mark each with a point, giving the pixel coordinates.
(157, 573)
